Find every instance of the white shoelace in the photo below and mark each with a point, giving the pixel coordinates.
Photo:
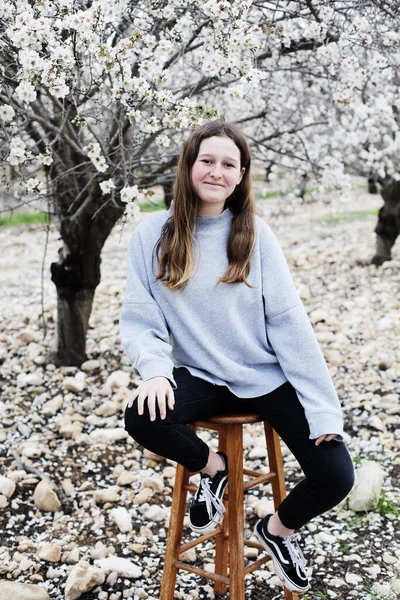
(296, 554)
(208, 497)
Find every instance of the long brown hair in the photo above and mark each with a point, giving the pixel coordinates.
(174, 249)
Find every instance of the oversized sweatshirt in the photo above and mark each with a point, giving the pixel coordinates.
(251, 340)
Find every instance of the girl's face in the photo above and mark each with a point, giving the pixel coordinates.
(215, 173)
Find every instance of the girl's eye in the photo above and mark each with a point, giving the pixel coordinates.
(205, 160)
(228, 165)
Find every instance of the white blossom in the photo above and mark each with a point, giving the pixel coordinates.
(6, 113)
(26, 92)
(128, 193)
(107, 186)
(163, 141)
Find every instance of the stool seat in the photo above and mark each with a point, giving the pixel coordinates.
(231, 566)
(236, 418)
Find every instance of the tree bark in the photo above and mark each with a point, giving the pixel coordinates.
(76, 277)
(388, 226)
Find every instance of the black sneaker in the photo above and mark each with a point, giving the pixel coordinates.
(207, 508)
(288, 559)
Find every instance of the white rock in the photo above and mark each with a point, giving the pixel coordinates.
(324, 538)
(22, 591)
(373, 571)
(25, 564)
(108, 435)
(154, 483)
(3, 501)
(53, 406)
(353, 579)
(108, 495)
(32, 450)
(90, 365)
(122, 519)
(258, 452)
(29, 336)
(395, 585)
(389, 559)
(72, 557)
(45, 497)
(376, 423)
(126, 478)
(75, 384)
(367, 488)
(336, 582)
(118, 379)
(7, 486)
(263, 508)
(123, 566)
(68, 487)
(49, 553)
(33, 379)
(189, 556)
(142, 496)
(107, 409)
(382, 590)
(318, 315)
(82, 578)
(155, 513)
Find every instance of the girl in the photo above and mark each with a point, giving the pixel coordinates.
(213, 324)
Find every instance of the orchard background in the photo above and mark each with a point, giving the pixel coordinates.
(95, 101)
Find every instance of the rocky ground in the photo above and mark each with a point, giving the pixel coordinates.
(74, 488)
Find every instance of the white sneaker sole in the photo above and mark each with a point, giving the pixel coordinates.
(209, 527)
(278, 569)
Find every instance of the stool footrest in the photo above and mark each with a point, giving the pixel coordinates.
(200, 540)
(257, 563)
(201, 572)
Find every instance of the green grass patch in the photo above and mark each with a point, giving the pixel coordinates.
(152, 206)
(272, 194)
(24, 219)
(354, 216)
(388, 507)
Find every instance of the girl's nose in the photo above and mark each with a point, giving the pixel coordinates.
(216, 172)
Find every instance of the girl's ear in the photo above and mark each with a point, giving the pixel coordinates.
(242, 171)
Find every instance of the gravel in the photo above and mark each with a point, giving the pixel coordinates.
(66, 424)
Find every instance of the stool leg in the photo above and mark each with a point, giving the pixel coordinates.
(234, 447)
(275, 464)
(221, 540)
(278, 483)
(178, 508)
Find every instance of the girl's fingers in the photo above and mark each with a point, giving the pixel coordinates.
(140, 400)
(171, 398)
(161, 405)
(132, 400)
(151, 405)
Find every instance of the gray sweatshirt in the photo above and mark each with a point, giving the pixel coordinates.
(250, 339)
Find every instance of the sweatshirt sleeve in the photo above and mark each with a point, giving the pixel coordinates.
(294, 343)
(144, 332)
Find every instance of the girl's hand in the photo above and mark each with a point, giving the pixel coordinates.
(328, 437)
(157, 389)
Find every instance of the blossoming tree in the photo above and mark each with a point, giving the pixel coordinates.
(96, 97)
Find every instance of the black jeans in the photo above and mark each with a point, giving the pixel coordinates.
(328, 469)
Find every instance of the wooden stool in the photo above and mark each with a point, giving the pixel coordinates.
(230, 542)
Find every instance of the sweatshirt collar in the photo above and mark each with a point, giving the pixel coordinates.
(211, 223)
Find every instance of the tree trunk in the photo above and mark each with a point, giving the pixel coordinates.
(76, 277)
(388, 226)
(168, 188)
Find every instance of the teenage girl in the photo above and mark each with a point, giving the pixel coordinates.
(213, 324)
